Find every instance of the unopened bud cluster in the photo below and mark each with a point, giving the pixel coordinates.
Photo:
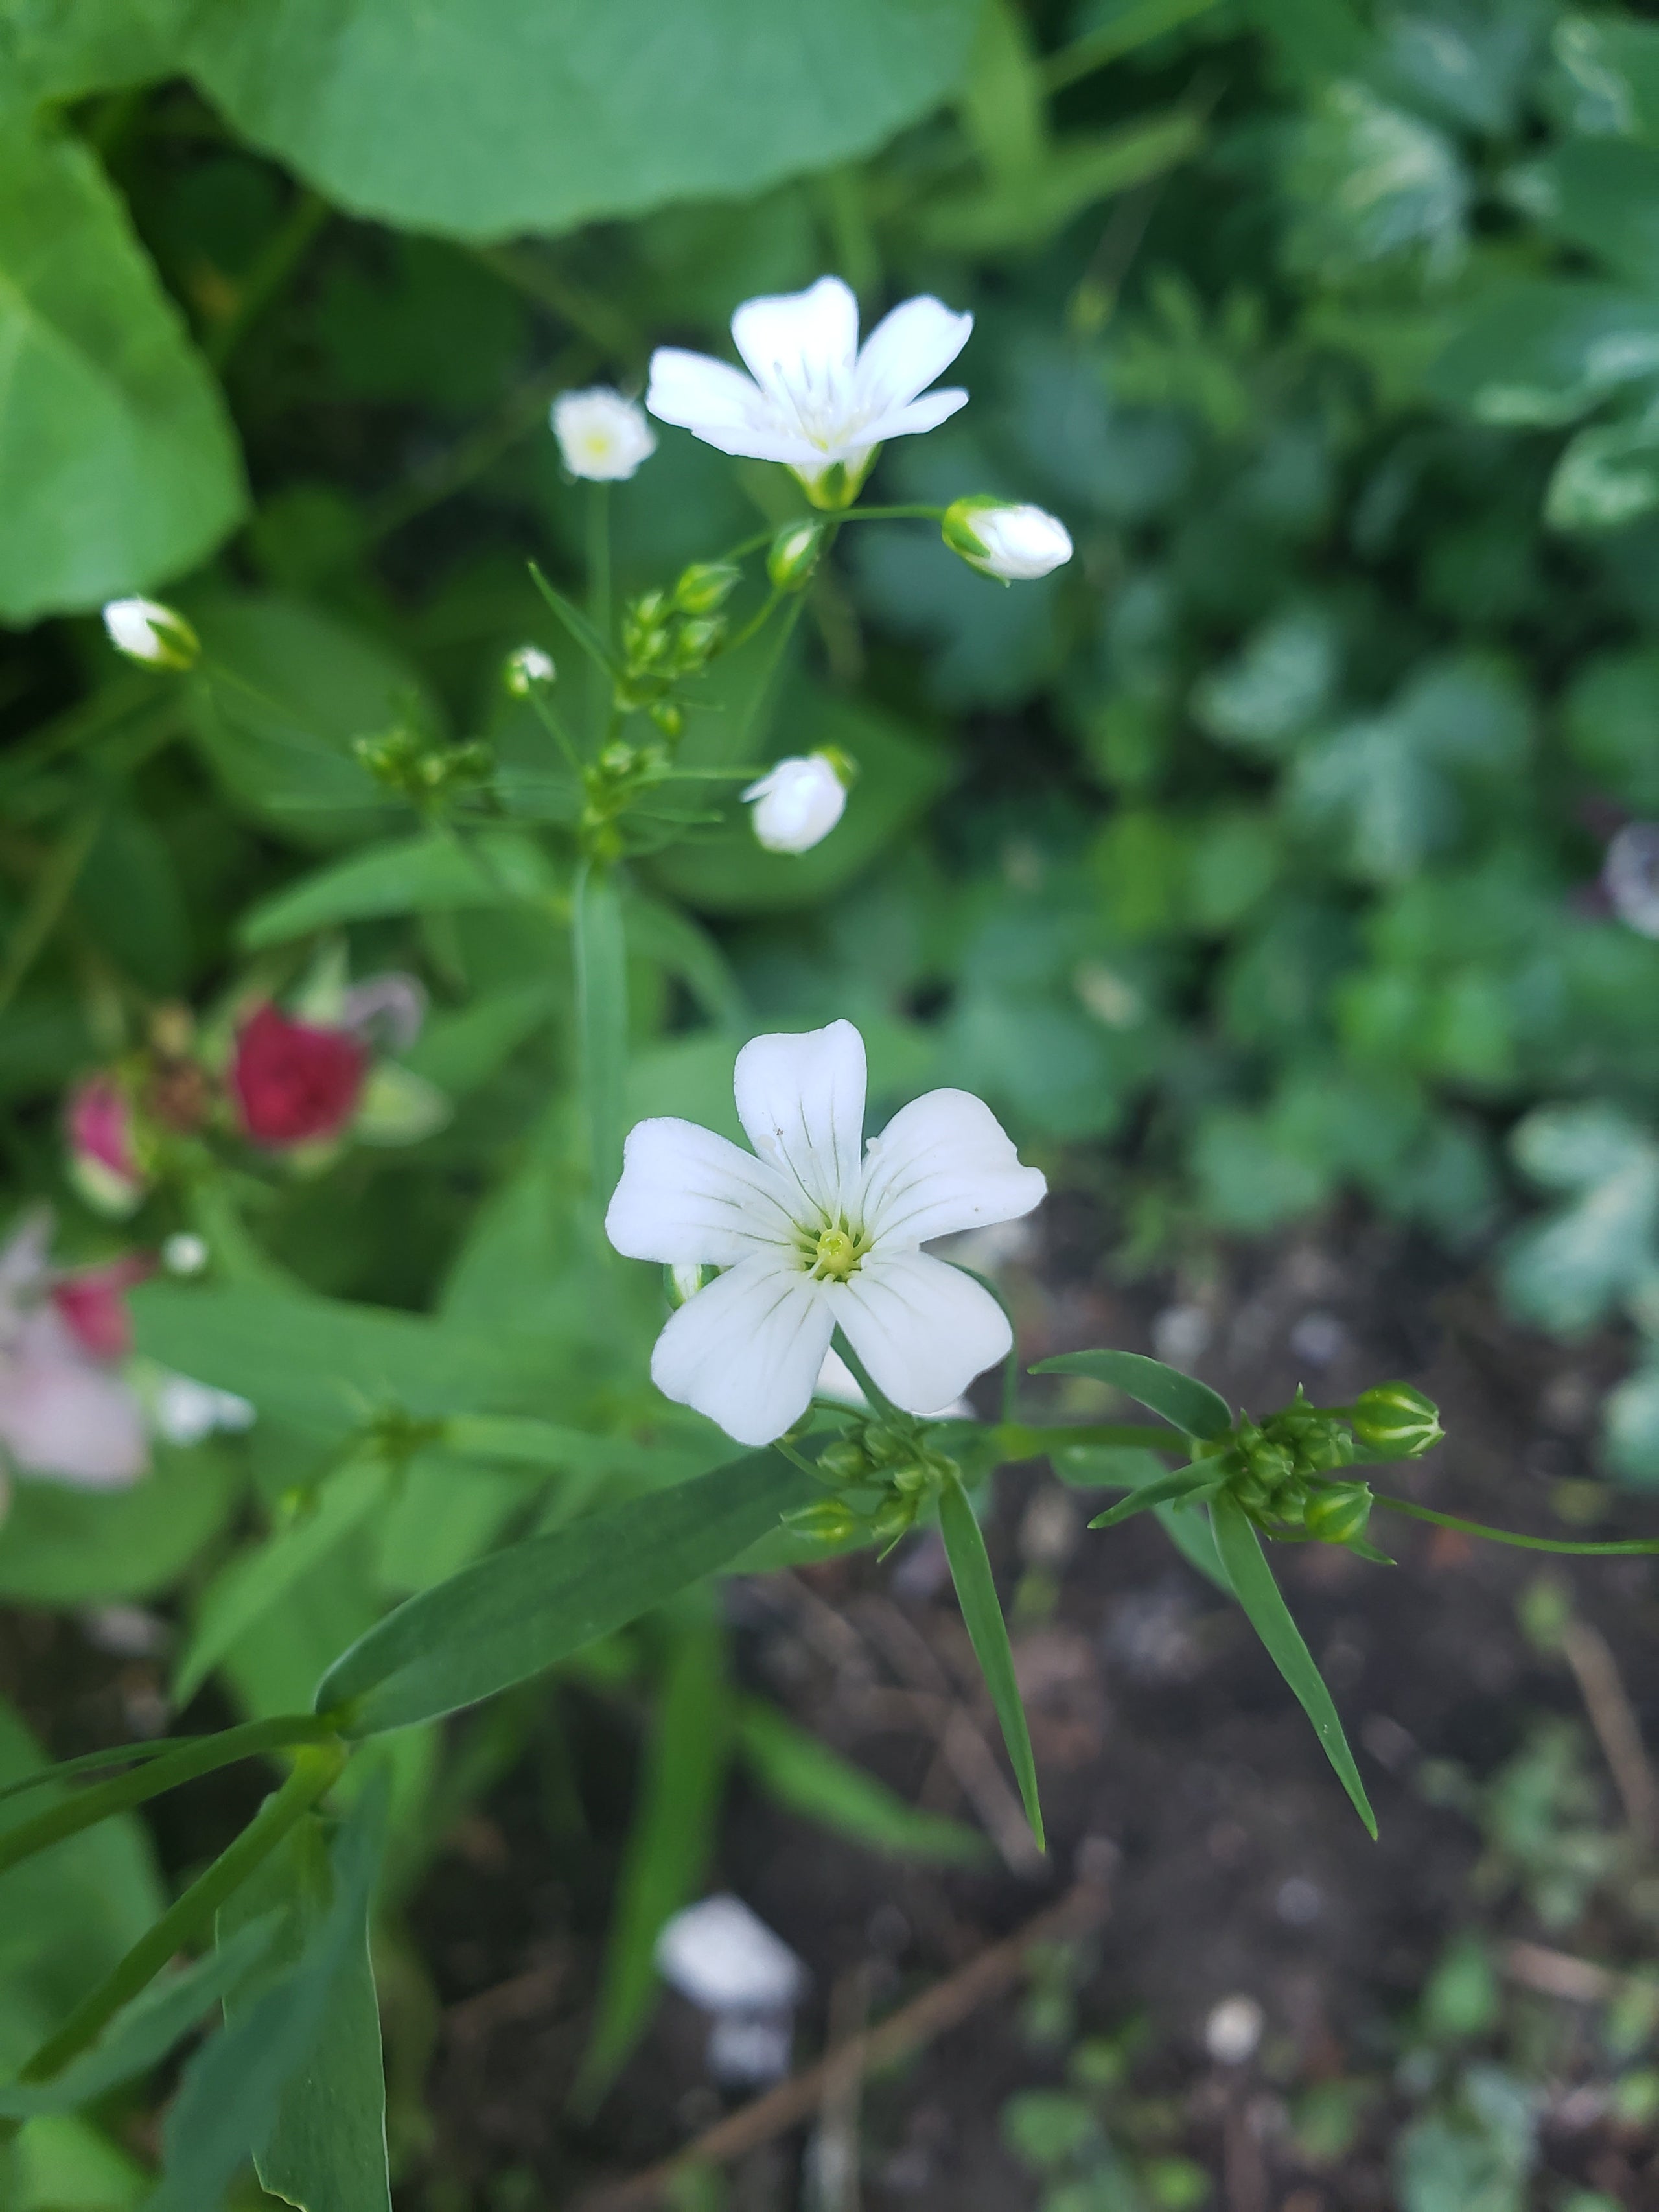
(884, 1471)
(1286, 1472)
(413, 767)
(667, 636)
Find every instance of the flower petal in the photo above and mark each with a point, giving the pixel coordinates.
(801, 1100)
(746, 1352)
(944, 1162)
(719, 405)
(800, 344)
(923, 1329)
(689, 1197)
(62, 1415)
(917, 415)
(907, 350)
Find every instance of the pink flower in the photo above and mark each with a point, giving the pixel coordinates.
(63, 1412)
(295, 1083)
(104, 1162)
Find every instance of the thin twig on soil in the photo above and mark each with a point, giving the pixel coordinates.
(1558, 1974)
(835, 2150)
(1596, 1671)
(911, 2028)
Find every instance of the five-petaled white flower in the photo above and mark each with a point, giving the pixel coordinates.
(798, 802)
(1015, 544)
(819, 1231)
(601, 436)
(819, 402)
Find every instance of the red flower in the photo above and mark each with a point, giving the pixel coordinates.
(293, 1083)
(93, 1304)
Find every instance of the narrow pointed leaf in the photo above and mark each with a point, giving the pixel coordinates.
(575, 622)
(1259, 1593)
(1183, 1483)
(819, 1783)
(602, 1015)
(976, 1594)
(510, 1616)
(669, 1844)
(1191, 1405)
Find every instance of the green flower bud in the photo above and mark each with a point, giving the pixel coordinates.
(829, 1521)
(154, 636)
(668, 718)
(1394, 1421)
(696, 641)
(795, 553)
(705, 585)
(1338, 1512)
(844, 1462)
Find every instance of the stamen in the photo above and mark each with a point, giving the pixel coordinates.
(835, 1255)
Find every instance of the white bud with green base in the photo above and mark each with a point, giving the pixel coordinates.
(1015, 544)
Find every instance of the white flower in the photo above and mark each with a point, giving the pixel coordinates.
(145, 630)
(184, 1410)
(601, 436)
(1015, 544)
(798, 803)
(819, 1233)
(183, 1252)
(527, 669)
(818, 402)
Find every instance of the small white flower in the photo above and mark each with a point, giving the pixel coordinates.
(1014, 543)
(798, 803)
(185, 1411)
(527, 669)
(818, 402)
(818, 1232)
(146, 631)
(602, 436)
(183, 1252)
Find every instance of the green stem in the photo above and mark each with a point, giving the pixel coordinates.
(53, 890)
(203, 1756)
(889, 514)
(599, 572)
(1023, 1440)
(1634, 1546)
(316, 1767)
(556, 729)
(861, 1376)
(278, 261)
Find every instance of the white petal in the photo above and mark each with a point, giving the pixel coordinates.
(688, 1196)
(907, 350)
(799, 343)
(746, 1352)
(801, 1100)
(923, 1329)
(719, 405)
(61, 1414)
(924, 414)
(943, 1164)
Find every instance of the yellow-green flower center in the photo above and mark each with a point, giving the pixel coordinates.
(835, 1255)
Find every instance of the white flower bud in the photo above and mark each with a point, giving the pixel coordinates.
(183, 1252)
(798, 803)
(146, 631)
(527, 669)
(602, 436)
(1013, 543)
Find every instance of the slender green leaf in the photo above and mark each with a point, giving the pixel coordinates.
(813, 1780)
(1185, 1482)
(669, 1844)
(602, 1013)
(1191, 1405)
(326, 2150)
(416, 875)
(141, 2035)
(232, 2093)
(119, 462)
(509, 1616)
(243, 1591)
(576, 622)
(976, 1594)
(1253, 1585)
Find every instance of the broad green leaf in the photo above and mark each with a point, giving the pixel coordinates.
(1607, 476)
(119, 462)
(1610, 714)
(516, 1613)
(447, 1510)
(141, 2035)
(586, 111)
(66, 1546)
(58, 50)
(725, 871)
(1172, 1489)
(601, 965)
(1630, 1428)
(811, 1779)
(1253, 1585)
(459, 1051)
(1569, 1270)
(1543, 351)
(1018, 212)
(976, 1594)
(65, 2164)
(254, 1582)
(1603, 194)
(1195, 1408)
(1611, 61)
(233, 2091)
(670, 1841)
(326, 2151)
(327, 1367)
(434, 874)
(282, 691)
